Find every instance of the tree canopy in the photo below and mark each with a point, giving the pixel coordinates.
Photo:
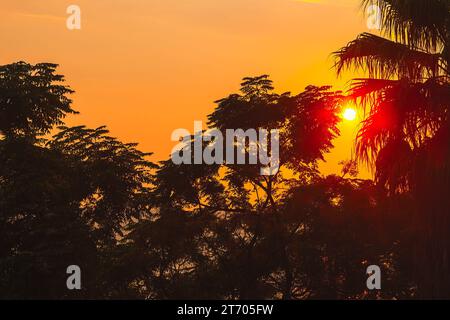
(145, 230)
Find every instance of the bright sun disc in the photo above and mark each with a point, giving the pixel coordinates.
(349, 114)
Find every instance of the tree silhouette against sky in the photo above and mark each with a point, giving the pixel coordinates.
(406, 133)
(143, 230)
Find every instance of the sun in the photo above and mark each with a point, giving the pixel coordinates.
(349, 114)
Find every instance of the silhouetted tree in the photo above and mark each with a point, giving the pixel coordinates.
(62, 201)
(225, 231)
(167, 231)
(406, 134)
(32, 99)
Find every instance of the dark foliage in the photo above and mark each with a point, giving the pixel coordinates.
(166, 231)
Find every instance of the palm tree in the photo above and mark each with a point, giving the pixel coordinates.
(405, 136)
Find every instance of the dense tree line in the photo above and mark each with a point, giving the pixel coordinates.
(144, 230)
(139, 229)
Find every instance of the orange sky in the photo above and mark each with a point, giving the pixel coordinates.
(147, 67)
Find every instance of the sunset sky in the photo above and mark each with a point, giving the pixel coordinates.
(147, 67)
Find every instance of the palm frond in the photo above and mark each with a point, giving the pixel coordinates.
(399, 110)
(417, 23)
(384, 58)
